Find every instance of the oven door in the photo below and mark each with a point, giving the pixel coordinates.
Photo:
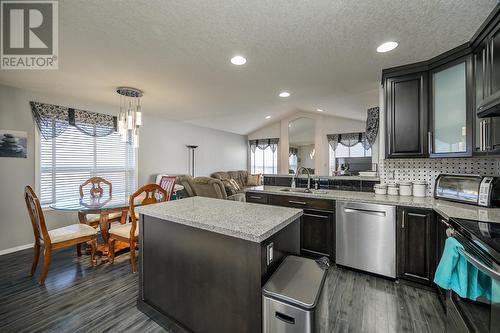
(483, 314)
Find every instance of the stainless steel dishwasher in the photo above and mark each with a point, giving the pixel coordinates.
(366, 237)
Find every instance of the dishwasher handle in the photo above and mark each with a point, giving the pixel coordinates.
(365, 211)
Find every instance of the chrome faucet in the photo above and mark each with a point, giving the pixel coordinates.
(308, 189)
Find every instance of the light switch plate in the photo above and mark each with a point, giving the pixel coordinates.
(270, 253)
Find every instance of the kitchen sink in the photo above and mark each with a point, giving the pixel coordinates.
(303, 190)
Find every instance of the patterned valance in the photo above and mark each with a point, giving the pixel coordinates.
(372, 124)
(293, 151)
(52, 120)
(348, 140)
(263, 144)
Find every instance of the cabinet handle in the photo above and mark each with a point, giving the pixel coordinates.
(430, 142)
(490, 87)
(443, 221)
(481, 135)
(403, 220)
(487, 135)
(316, 215)
(297, 202)
(255, 197)
(364, 211)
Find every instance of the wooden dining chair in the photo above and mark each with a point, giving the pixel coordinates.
(168, 183)
(129, 233)
(97, 190)
(74, 234)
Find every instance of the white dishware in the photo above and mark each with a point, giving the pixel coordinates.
(392, 189)
(380, 188)
(405, 189)
(419, 189)
(368, 173)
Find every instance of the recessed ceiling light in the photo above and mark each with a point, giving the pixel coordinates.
(268, 117)
(238, 60)
(319, 110)
(284, 94)
(289, 125)
(387, 46)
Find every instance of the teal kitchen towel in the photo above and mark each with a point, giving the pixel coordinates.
(456, 273)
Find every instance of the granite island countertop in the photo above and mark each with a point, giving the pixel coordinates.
(252, 222)
(445, 208)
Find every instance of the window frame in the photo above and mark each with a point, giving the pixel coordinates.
(274, 166)
(38, 155)
(330, 150)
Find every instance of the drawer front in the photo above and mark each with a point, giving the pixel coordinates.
(300, 202)
(256, 197)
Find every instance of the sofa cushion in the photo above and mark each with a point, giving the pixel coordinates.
(229, 187)
(221, 175)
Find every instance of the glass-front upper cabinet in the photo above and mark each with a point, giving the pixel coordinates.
(450, 123)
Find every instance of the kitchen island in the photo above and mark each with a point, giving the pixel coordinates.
(203, 261)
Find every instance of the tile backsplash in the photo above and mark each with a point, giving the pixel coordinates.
(395, 170)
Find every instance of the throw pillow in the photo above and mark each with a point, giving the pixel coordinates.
(235, 185)
(253, 180)
(230, 190)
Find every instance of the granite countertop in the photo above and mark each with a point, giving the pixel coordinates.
(445, 208)
(252, 222)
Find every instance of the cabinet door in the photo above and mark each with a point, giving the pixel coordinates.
(494, 62)
(451, 109)
(406, 103)
(480, 93)
(317, 234)
(416, 245)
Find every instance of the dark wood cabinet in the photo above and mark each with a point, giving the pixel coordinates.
(451, 109)
(317, 226)
(486, 63)
(416, 245)
(256, 197)
(317, 234)
(406, 100)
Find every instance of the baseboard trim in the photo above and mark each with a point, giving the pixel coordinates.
(15, 249)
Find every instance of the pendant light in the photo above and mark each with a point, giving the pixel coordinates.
(130, 116)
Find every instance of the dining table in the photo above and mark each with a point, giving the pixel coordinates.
(102, 206)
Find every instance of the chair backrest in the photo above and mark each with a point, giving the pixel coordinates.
(149, 194)
(96, 190)
(168, 183)
(36, 215)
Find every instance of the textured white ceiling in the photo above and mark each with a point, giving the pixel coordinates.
(178, 52)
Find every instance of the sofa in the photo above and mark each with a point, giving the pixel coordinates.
(205, 187)
(240, 177)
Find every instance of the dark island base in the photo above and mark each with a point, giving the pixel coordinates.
(200, 281)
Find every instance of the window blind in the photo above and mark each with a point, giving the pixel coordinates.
(69, 159)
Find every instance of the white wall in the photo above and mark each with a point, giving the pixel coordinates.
(162, 149)
(324, 124)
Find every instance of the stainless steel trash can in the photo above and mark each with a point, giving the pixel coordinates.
(291, 295)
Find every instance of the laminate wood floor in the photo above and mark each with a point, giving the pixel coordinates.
(78, 298)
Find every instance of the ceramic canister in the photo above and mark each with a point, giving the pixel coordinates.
(380, 188)
(419, 189)
(392, 189)
(405, 188)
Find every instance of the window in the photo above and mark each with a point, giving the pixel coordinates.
(72, 157)
(342, 152)
(264, 161)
